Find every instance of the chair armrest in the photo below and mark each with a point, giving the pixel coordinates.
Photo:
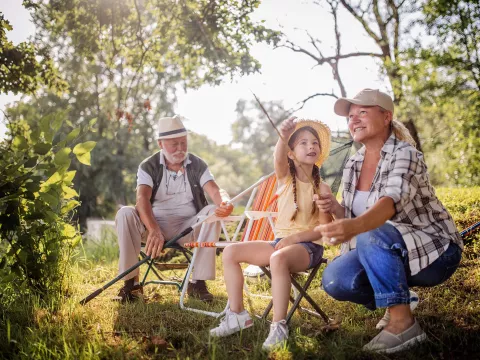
(255, 215)
(215, 218)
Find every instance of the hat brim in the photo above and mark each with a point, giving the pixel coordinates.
(342, 105)
(172, 136)
(324, 135)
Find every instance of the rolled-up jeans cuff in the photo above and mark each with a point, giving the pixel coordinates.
(387, 300)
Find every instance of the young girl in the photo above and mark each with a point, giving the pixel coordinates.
(296, 247)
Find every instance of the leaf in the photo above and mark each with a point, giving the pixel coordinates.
(49, 199)
(54, 179)
(92, 122)
(31, 162)
(45, 124)
(76, 240)
(7, 279)
(20, 142)
(84, 158)
(84, 147)
(22, 255)
(57, 121)
(68, 177)
(69, 206)
(69, 231)
(68, 192)
(72, 134)
(42, 148)
(62, 156)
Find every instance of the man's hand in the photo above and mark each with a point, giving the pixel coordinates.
(224, 209)
(339, 231)
(155, 241)
(286, 241)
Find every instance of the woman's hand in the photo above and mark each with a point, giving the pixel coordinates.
(287, 127)
(286, 241)
(339, 231)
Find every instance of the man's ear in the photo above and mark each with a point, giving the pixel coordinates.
(160, 143)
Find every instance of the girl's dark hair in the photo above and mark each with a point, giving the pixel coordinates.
(315, 170)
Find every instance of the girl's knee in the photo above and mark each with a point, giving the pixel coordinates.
(230, 253)
(278, 260)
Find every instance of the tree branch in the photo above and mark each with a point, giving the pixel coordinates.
(362, 21)
(304, 101)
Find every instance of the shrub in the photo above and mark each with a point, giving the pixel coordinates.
(36, 204)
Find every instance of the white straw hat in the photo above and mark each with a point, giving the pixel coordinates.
(170, 127)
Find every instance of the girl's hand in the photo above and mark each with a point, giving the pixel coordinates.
(287, 127)
(339, 231)
(286, 241)
(326, 202)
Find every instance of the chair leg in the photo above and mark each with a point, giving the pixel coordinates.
(303, 294)
(296, 302)
(270, 304)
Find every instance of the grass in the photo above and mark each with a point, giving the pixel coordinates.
(158, 329)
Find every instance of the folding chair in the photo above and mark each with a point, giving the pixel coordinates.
(157, 265)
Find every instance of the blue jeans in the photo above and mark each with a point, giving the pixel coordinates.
(377, 274)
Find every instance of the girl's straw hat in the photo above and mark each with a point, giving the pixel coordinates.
(324, 135)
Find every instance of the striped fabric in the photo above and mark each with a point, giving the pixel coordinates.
(265, 200)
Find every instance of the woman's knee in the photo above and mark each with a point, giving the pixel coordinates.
(385, 237)
(331, 283)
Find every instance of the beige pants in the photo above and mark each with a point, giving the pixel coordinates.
(130, 231)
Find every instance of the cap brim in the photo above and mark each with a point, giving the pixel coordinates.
(342, 106)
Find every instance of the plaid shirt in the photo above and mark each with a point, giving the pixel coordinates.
(426, 226)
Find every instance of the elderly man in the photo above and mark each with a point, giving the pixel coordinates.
(171, 187)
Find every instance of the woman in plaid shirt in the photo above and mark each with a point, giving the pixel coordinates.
(393, 230)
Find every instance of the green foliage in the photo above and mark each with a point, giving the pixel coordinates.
(36, 204)
(24, 68)
(442, 87)
(201, 41)
(124, 61)
(462, 203)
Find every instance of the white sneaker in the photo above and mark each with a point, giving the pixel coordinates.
(414, 300)
(232, 323)
(277, 336)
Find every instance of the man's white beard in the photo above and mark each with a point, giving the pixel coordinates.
(175, 158)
